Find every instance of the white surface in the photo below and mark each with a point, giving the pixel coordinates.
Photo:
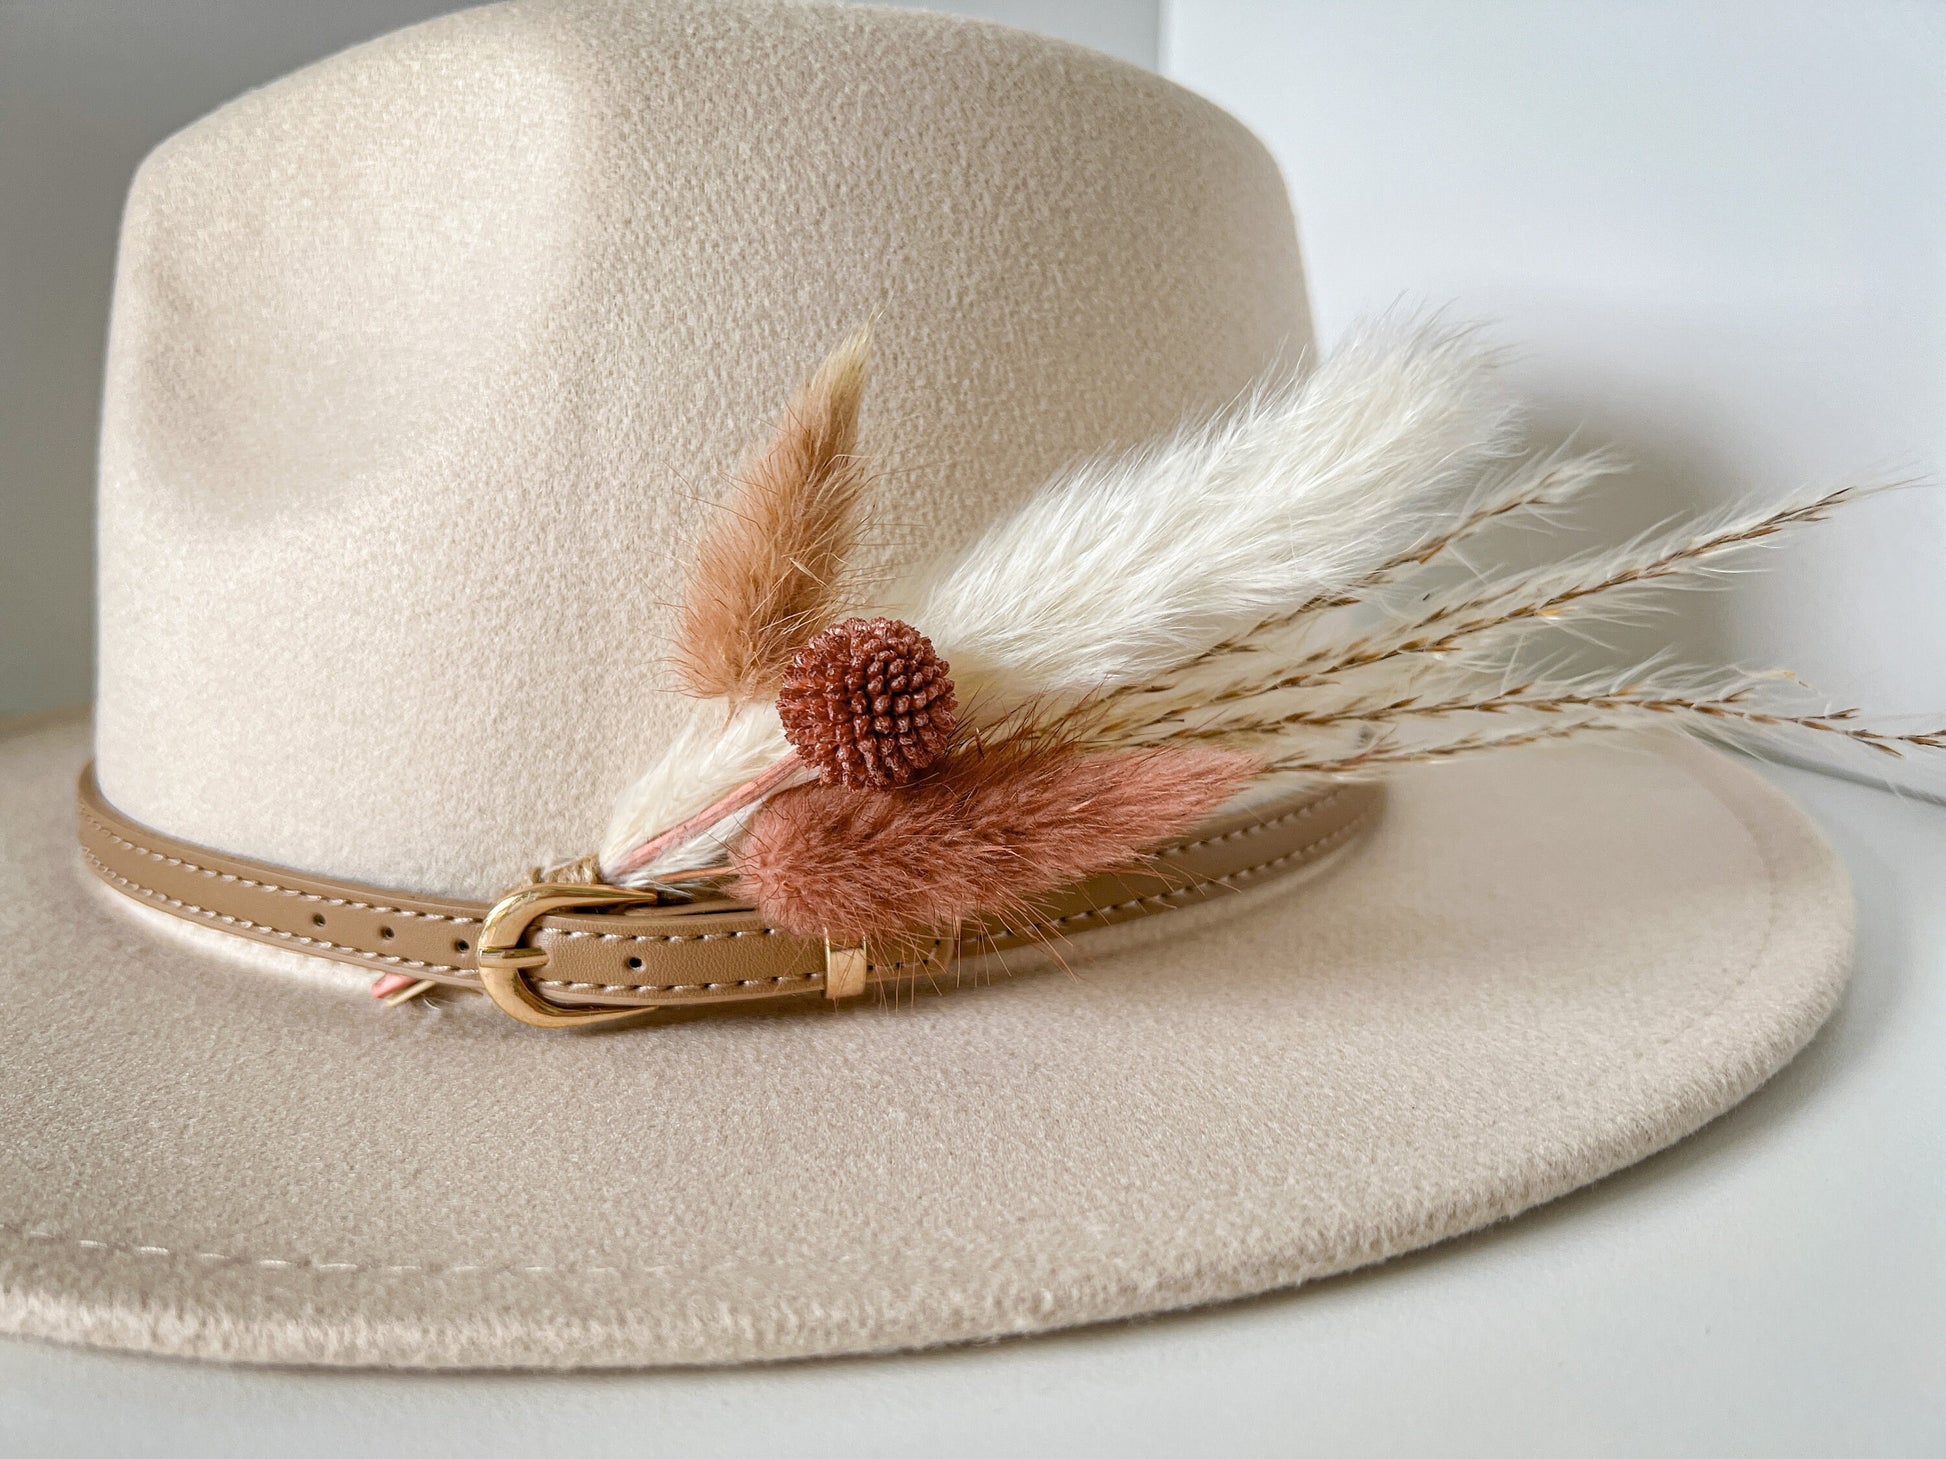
(1775, 1285)
(1713, 234)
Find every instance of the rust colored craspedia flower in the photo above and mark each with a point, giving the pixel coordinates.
(867, 703)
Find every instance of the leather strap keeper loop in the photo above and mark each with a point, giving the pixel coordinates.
(683, 954)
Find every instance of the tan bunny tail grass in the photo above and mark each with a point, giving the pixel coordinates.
(773, 569)
(996, 827)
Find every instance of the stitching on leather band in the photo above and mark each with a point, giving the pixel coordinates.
(135, 888)
(311, 1264)
(1197, 887)
(1256, 828)
(391, 959)
(265, 886)
(981, 946)
(1176, 848)
(730, 936)
(772, 981)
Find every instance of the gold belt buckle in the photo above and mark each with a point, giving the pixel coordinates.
(506, 962)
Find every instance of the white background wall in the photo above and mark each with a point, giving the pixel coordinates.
(1715, 233)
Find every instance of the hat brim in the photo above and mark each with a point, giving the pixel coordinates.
(1537, 968)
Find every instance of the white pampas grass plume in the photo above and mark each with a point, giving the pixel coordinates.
(1290, 583)
(1308, 494)
(1445, 671)
(1526, 493)
(707, 760)
(1120, 571)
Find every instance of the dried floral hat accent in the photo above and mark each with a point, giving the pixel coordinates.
(1278, 594)
(868, 704)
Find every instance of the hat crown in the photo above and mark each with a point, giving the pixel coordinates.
(429, 361)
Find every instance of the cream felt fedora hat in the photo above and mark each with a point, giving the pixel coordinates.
(425, 363)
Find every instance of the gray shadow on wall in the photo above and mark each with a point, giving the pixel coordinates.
(87, 88)
(1666, 481)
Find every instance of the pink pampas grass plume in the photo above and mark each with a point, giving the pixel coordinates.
(994, 828)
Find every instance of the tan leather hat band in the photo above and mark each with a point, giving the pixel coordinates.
(683, 954)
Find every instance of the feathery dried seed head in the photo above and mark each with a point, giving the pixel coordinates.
(990, 830)
(867, 703)
(777, 563)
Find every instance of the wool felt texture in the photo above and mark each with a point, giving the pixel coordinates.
(1536, 968)
(429, 363)
(423, 364)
